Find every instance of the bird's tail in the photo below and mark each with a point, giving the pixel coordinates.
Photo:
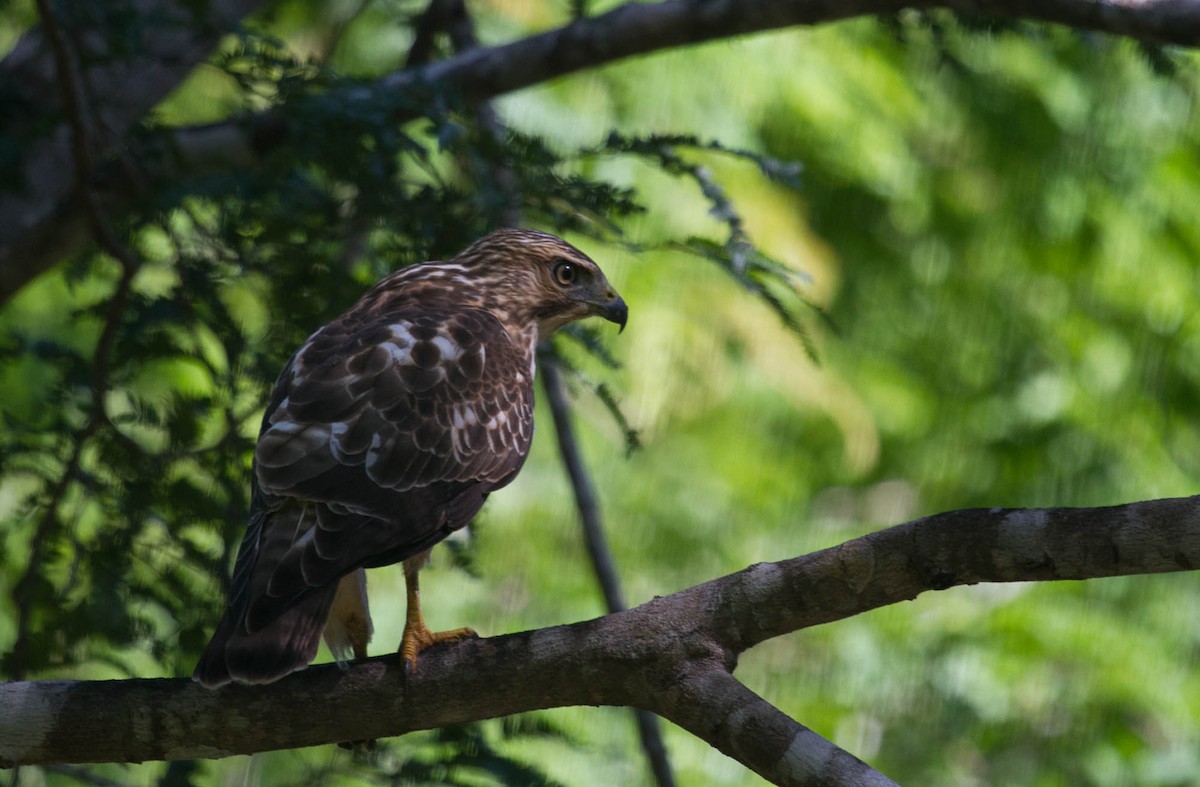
(277, 645)
(286, 644)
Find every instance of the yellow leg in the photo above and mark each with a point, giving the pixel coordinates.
(417, 635)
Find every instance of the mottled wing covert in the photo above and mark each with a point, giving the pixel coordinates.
(398, 426)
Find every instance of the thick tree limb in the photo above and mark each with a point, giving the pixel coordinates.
(130, 64)
(41, 227)
(673, 655)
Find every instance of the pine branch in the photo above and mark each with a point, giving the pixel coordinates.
(41, 227)
(50, 526)
(44, 219)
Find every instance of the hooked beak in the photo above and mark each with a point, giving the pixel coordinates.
(614, 310)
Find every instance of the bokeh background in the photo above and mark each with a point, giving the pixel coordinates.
(992, 252)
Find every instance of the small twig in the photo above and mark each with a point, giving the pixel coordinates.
(22, 593)
(581, 485)
(48, 526)
(457, 21)
(649, 730)
(70, 82)
(434, 20)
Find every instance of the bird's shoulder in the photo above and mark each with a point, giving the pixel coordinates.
(398, 398)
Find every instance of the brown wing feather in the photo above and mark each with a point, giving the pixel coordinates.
(396, 418)
(406, 402)
(392, 429)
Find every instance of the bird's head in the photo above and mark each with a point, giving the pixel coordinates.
(538, 277)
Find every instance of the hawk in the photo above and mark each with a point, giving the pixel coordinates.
(384, 434)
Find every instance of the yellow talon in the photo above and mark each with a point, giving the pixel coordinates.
(417, 635)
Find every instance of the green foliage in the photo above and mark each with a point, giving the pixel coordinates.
(999, 219)
(129, 431)
(758, 273)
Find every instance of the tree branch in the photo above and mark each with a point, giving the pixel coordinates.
(38, 229)
(70, 87)
(581, 485)
(158, 44)
(715, 707)
(600, 556)
(672, 655)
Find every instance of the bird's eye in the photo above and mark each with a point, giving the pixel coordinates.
(565, 273)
